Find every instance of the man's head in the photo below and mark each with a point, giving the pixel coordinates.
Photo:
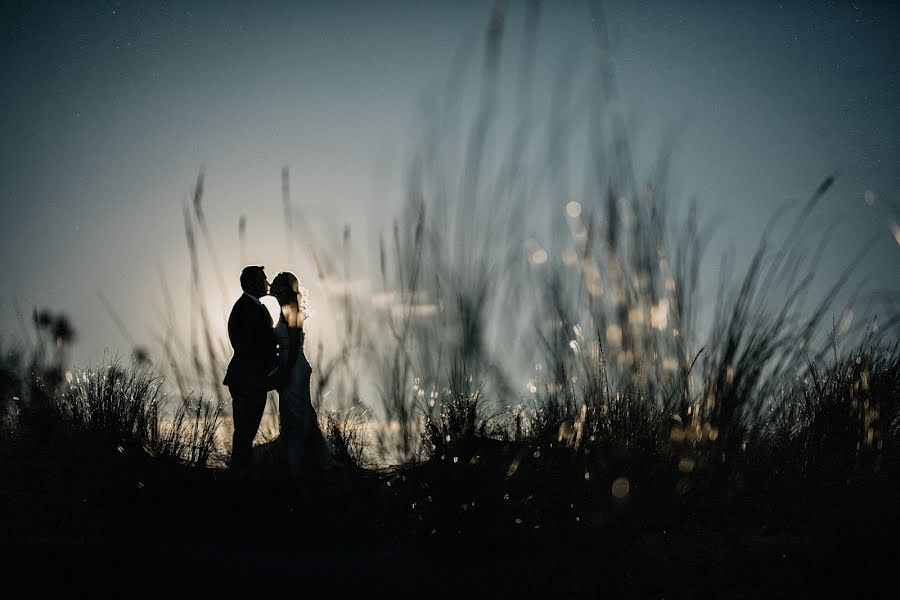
(254, 282)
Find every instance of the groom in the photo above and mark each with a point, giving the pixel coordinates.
(251, 335)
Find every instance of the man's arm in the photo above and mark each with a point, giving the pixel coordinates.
(267, 339)
(244, 330)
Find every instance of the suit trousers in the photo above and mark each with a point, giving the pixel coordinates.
(247, 408)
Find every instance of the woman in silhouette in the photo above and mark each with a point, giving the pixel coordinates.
(304, 448)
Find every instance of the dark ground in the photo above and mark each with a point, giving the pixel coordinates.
(134, 527)
(648, 565)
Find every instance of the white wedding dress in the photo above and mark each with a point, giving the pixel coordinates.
(304, 447)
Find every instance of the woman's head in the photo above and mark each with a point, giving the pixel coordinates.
(285, 288)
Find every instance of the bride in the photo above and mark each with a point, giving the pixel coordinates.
(304, 447)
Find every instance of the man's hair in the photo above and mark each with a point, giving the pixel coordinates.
(283, 288)
(250, 276)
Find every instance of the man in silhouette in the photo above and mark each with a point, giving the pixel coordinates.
(248, 376)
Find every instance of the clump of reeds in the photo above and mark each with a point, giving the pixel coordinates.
(347, 434)
(113, 407)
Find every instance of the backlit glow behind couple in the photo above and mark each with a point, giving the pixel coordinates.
(269, 356)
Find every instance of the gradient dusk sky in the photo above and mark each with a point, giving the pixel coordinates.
(110, 109)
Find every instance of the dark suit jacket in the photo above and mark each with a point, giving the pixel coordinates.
(251, 336)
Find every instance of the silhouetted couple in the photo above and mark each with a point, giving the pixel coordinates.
(268, 357)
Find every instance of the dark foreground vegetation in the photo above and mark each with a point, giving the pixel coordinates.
(99, 487)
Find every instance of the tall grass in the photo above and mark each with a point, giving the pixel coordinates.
(498, 268)
(111, 408)
(536, 283)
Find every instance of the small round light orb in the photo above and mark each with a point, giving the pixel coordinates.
(620, 488)
(539, 256)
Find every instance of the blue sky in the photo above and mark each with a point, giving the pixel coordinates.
(110, 109)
